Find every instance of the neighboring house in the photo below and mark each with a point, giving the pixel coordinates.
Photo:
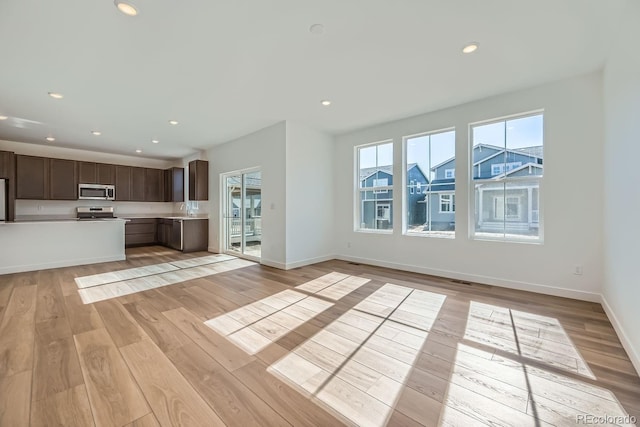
(377, 204)
(519, 209)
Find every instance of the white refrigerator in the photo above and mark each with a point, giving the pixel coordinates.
(3, 200)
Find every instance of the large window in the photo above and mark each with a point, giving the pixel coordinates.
(430, 167)
(507, 169)
(375, 187)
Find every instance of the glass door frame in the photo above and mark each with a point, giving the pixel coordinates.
(224, 206)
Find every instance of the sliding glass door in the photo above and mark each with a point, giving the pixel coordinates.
(243, 213)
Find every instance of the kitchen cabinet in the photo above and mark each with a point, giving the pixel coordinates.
(195, 235)
(7, 167)
(106, 173)
(174, 185)
(96, 173)
(63, 184)
(87, 173)
(175, 237)
(123, 183)
(154, 185)
(41, 178)
(138, 176)
(140, 232)
(199, 180)
(31, 177)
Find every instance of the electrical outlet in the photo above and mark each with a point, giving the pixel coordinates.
(577, 270)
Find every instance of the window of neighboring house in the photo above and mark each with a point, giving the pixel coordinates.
(447, 203)
(382, 182)
(432, 155)
(500, 168)
(374, 193)
(506, 206)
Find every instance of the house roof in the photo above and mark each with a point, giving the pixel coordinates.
(367, 172)
(534, 151)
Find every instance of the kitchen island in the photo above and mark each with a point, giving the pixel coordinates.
(37, 244)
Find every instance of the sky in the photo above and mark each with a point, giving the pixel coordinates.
(431, 150)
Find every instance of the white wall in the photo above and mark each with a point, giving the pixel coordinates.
(571, 200)
(264, 149)
(309, 157)
(622, 193)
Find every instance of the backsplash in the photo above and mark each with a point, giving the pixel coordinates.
(60, 207)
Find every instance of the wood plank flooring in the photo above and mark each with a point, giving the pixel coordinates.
(330, 344)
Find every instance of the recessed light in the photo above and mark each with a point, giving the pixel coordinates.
(155, 141)
(325, 102)
(56, 95)
(138, 151)
(126, 7)
(50, 138)
(96, 132)
(4, 117)
(173, 122)
(316, 29)
(470, 47)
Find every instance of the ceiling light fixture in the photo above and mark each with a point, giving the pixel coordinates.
(155, 141)
(325, 102)
(96, 132)
(56, 95)
(50, 138)
(470, 47)
(4, 117)
(173, 122)
(126, 7)
(316, 29)
(138, 151)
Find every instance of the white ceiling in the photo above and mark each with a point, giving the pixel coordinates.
(225, 68)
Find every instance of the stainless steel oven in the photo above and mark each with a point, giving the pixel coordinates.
(96, 192)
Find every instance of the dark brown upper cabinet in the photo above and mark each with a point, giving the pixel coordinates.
(106, 174)
(31, 177)
(174, 185)
(96, 173)
(41, 178)
(123, 183)
(87, 173)
(62, 180)
(138, 191)
(199, 180)
(7, 165)
(154, 185)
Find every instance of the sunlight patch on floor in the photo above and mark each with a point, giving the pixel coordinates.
(358, 364)
(119, 288)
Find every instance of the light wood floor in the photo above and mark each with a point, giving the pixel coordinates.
(330, 344)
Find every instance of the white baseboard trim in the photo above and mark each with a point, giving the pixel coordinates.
(59, 264)
(273, 264)
(633, 354)
(488, 280)
(309, 261)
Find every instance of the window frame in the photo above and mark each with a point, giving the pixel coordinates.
(426, 188)
(453, 173)
(357, 200)
(506, 180)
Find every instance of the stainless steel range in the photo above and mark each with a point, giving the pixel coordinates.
(94, 212)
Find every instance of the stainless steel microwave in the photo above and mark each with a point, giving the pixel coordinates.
(96, 192)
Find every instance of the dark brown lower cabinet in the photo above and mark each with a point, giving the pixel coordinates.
(195, 235)
(141, 232)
